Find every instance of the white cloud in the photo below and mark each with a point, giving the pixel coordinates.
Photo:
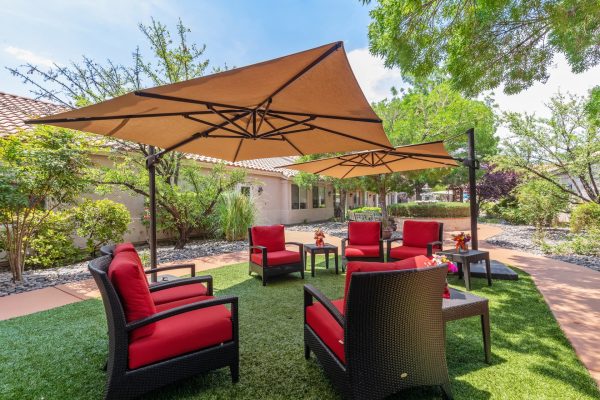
(533, 100)
(28, 56)
(373, 77)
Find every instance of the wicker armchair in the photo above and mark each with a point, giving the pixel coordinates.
(386, 336)
(363, 243)
(152, 345)
(419, 238)
(268, 256)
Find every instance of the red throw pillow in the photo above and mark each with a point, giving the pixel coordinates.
(272, 237)
(363, 233)
(419, 233)
(366, 266)
(132, 287)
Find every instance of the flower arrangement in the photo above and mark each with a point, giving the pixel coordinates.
(461, 241)
(319, 237)
(452, 268)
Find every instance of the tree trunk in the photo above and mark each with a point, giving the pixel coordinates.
(183, 238)
(16, 258)
(383, 202)
(343, 199)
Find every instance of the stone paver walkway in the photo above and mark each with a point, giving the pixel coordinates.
(572, 292)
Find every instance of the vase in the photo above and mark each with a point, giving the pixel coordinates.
(463, 248)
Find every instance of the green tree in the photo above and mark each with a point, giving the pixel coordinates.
(40, 171)
(563, 150)
(101, 222)
(172, 58)
(540, 202)
(431, 110)
(482, 45)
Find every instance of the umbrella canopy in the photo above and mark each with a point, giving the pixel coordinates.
(304, 103)
(399, 159)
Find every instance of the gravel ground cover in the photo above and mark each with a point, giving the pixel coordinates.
(521, 238)
(41, 278)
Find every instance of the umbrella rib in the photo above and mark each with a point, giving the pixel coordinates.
(226, 118)
(325, 169)
(263, 115)
(325, 116)
(338, 133)
(192, 101)
(407, 154)
(293, 145)
(109, 117)
(431, 161)
(278, 131)
(216, 126)
(352, 169)
(303, 71)
(237, 151)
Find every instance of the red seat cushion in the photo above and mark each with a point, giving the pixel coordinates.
(419, 233)
(330, 332)
(366, 266)
(132, 287)
(277, 257)
(181, 334)
(356, 250)
(363, 233)
(179, 303)
(272, 237)
(403, 252)
(178, 293)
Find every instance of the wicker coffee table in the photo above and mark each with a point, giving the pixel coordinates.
(464, 305)
(313, 250)
(464, 260)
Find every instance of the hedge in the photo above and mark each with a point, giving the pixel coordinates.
(429, 210)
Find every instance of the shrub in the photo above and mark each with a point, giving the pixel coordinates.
(52, 246)
(101, 222)
(367, 209)
(506, 209)
(585, 216)
(429, 210)
(236, 214)
(540, 202)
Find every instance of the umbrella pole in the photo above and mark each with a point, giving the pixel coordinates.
(151, 165)
(472, 163)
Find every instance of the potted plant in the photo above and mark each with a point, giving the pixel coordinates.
(389, 226)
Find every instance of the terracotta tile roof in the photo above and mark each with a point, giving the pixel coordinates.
(16, 109)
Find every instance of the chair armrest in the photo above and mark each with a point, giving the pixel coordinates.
(190, 266)
(233, 300)
(311, 292)
(344, 244)
(430, 247)
(185, 281)
(390, 240)
(263, 251)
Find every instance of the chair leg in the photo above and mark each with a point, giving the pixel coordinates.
(306, 351)
(446, 391)
(235, 372)
(485, 329)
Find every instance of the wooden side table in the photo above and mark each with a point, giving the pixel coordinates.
(464, 305)
(464, 260)
(313, 250)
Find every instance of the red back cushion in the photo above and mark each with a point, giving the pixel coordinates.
(362, 233)
(419, 233)
(272, 237)
(130, 282)
(366, 266)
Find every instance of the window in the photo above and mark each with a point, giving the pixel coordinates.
(298, 197)
(245, 190)
(318, 196)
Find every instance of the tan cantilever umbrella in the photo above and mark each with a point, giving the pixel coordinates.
(304, 103)
(399, 159)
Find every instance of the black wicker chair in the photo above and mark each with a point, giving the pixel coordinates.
(260, 260)
(359, 249)
(124, 382)
(419, 238)
(392, 333)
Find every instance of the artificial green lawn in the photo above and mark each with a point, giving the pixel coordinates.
(58, 354)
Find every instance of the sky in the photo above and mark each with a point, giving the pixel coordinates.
(236, 33)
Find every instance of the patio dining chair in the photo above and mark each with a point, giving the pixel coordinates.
(176, 292)
(363, 242)
(419, 238)
(385, 335)
(152, 345)
(268, 255)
